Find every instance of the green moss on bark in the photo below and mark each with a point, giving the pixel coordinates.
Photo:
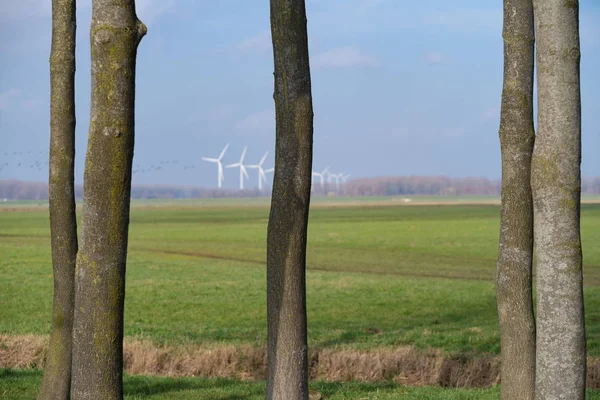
(515, 252)
(56, 382)
(98, 354)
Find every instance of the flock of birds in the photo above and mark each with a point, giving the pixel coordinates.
(322, 177)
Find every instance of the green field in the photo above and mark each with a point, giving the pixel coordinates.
(23, 385)
(378, 276)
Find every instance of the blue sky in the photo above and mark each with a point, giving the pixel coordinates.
(399, 87)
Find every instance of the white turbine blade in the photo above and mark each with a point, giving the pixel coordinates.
(244, 171)
(262, 175)
(269, 170)
(262, 160)
(253, 166)
(325, 170)
(209, 159)
(223, 152)
(243, 154)
(232, 165)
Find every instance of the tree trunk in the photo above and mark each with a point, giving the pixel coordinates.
(56, 383)
(556, 180)
(100, 275)
(515, 253)
(288, 220)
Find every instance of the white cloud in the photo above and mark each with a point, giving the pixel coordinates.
(434, 58)
(219, 112)
(453, 132)
(259, 43)
(365, 5)
(148, 10)
(343, 57)
(7, 98)
(260, 122)
(464, 19)
(18, 9)
(491, 114)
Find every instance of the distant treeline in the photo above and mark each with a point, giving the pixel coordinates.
(24, 190)
(380, 186)
(439, 185)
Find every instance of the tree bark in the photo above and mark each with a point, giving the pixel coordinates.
(556, 185)
(288, 220)
(56, 383)
(515, 253)
(100, 274)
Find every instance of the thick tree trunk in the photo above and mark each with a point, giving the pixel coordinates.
(56, 383)
(288, 220)
(100, 275)
(556, 180)
(515, 253)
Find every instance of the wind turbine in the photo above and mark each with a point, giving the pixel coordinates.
(220, 176)
(321, 175)
(336, 178)
(261, 171)
(242, 167)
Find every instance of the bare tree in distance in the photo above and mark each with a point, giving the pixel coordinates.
(556, 185)
(288, 220)
(100, 273)
(515, 252)
(56, 382)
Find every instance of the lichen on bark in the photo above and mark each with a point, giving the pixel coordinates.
(100, 279)
(556, 185)
(56, 382)
(515, 252)
(288, 219)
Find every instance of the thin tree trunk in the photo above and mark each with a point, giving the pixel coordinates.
(100, 275)
(288, 220)
(56, 383)
(515, 253)
(556, 180)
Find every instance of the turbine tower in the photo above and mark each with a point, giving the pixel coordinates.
(242, 167)
(261, 171)
(321, 175)
(336, 178)
(220, 176)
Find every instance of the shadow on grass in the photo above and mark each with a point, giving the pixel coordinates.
(24, 384)
(213, 389)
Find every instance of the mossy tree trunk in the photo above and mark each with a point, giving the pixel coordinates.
(515, 253)
(56, 383)
(100, 274)
(556, 185)
(288, 219)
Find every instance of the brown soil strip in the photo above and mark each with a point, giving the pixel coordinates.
(404, 365)
(313, 268)
(415, 274)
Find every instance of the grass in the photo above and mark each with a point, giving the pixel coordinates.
(377, 276)
(20, 384)
(24, 384)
